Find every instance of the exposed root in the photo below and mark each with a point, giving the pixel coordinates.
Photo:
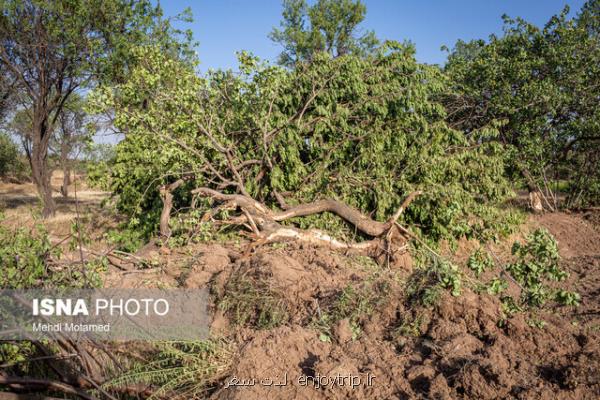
(315, 236)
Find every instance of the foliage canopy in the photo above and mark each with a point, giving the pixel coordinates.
(362, 129)
(52, 49)
(541, 87)
(329, 26)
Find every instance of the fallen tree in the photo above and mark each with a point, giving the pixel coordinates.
(362, 131)
(388, 241)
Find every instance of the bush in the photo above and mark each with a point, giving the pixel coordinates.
(27, 260)
(10, 162)
(537, 262)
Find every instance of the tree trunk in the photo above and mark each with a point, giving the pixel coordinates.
(64, 189)
(40, 171)
(535, 202)
(65, 149)
(167, 198)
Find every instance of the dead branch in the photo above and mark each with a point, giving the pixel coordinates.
(235, 199)
(409, 199)
(280, 200)
(318, 237)
(353, 216)
(17, 382)
(25, 396)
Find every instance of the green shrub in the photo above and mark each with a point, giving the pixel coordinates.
(126, 237)
(27, 259)
(180, 370)
(479, 262)
(537, 262)
(496, 286)
(10, 162)
(431, 274)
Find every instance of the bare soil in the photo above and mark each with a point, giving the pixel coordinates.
(457, 350)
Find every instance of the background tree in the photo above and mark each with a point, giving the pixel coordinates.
(52, 49)
(73, 132)
(6, 90)
(9, 156)
(589, 17)
(540, 88)
(330, 26)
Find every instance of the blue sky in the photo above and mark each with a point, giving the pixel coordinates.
(225, 26)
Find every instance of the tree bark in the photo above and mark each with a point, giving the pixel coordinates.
(64, 189)
(535, 202)
(38, 160)
(167, 198)
(353, 216)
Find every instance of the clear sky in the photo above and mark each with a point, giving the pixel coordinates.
(225, 26)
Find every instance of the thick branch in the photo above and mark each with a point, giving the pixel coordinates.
(317, 237)
(237, 199)
(403, 206)
(386, 243)
(166, 193)
(355, 217)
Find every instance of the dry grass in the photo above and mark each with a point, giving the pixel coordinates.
(20, 205)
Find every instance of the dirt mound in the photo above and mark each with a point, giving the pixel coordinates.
(576, 236)
(463, 347)
(462, 354)
(477, 359)
(277, 356)
(592, 217)
(311, 323)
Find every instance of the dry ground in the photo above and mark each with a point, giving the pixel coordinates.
(455, 350)
(21, 205)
